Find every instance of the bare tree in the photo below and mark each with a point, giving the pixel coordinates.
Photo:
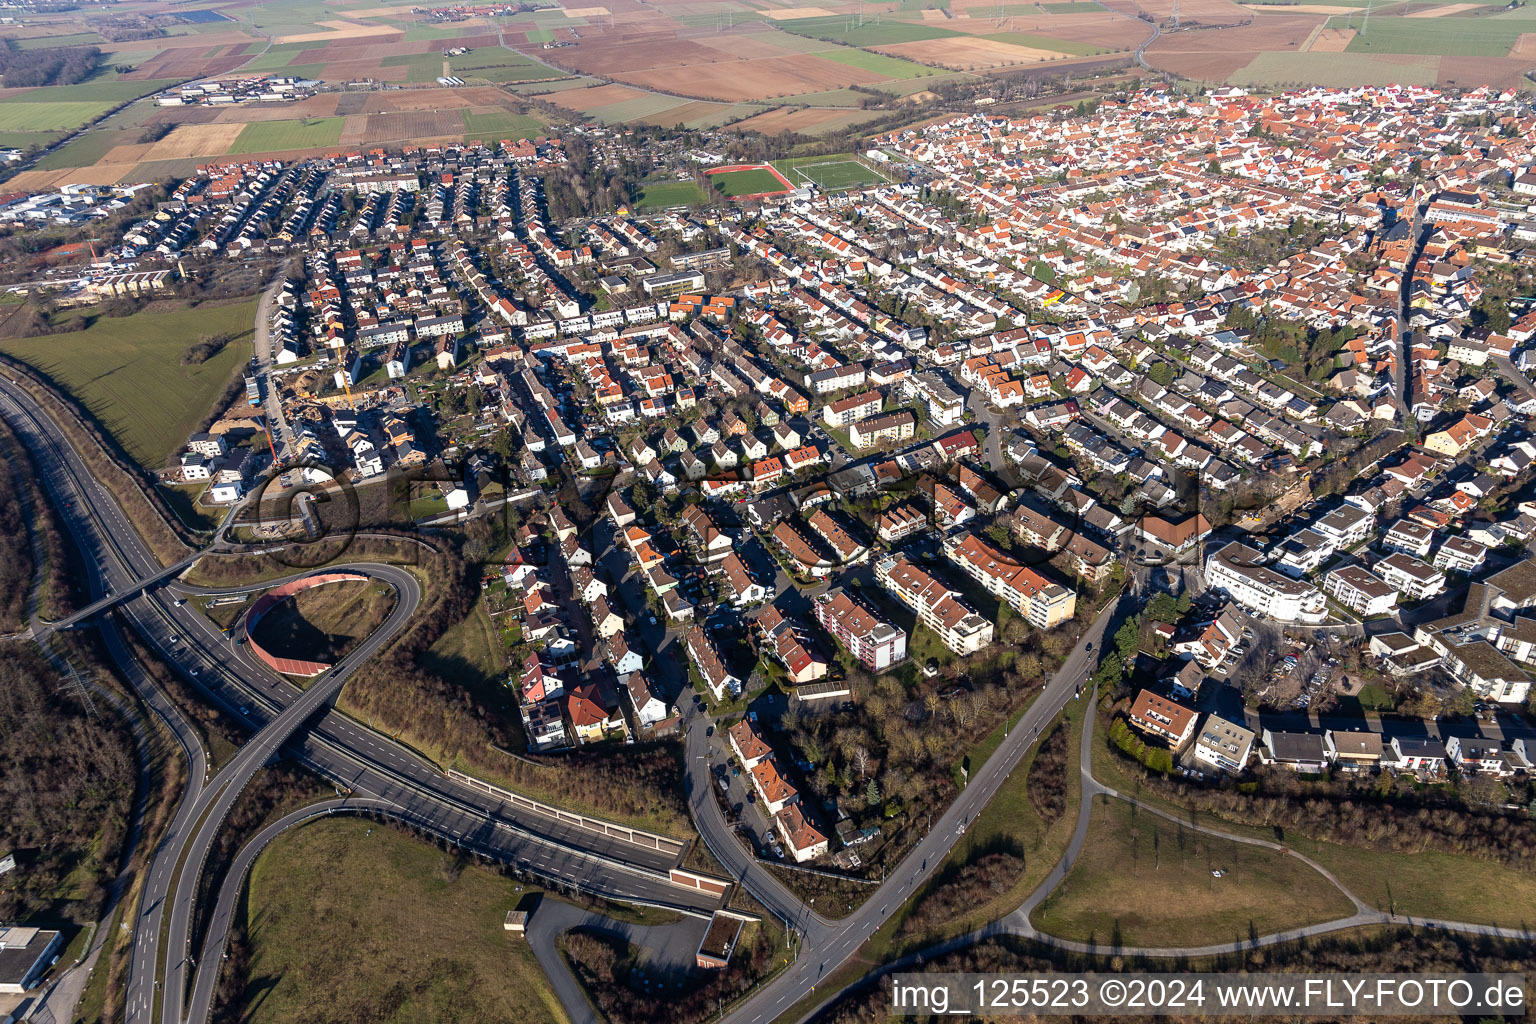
(861, 760)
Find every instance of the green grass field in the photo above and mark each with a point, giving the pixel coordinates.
(103, 88)
(1276, 68)
(1430, 884)
(1048, 43)
(127, 371)
(424, 67)
(829, 173)
(746, 183)
(86, 150)
(349, 920)
(842, 30)
(662, 194)
(497, 65)
(879, 63)
(275, 136)
(1452, 37)
(501, 124)
(43, 116)
(72, 39)
(1146, 881)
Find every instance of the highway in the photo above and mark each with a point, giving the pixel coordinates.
(380, 773)
(336, 746)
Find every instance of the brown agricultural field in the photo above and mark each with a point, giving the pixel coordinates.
(319, 105)
(965, 54)
(583, 100)
(1498, 72)
(1277, 33)
(432, 99)
(195, 141)
(1525, 47)
(755, 79)
(785, 119)
(1203, 67)
(1332, 40)
(416, 124)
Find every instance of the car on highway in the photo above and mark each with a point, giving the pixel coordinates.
(244, 710)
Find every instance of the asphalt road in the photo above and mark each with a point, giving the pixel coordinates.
(336, 746)
(825, 943)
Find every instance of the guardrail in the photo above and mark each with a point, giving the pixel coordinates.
(633, 836)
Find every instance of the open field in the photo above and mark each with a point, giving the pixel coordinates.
(196, 140)
(1277, 69)
(890, 67)
(276, 136)
(49, 115)
(503, 124)
(1143, 880)
(829, 173)
(1458, 37)
(370, 924)
(127, 371)
(755, 78)
(971, 53)
(662, 194)
(811, 121)
(748, 181)
(1430, 884)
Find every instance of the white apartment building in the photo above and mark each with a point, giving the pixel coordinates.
(1410, 576)
(1357, 589)
(1236, 572)
(1223, 745)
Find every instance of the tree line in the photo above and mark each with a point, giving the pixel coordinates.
(51, 65)
(64, 795)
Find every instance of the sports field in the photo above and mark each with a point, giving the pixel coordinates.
(275, 136)
(662, 194)
(127, 371)
(748, 181)
(828, 173)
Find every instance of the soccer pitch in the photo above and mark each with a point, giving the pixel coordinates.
(830, 174)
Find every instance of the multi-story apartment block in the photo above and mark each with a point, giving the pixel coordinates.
(1410, 537)
(1410, 576)
(1157, 716)
(938, 607)
(1460, 555)
(1223, 745)
(846, 411)
(1357, 589)
(1043, 603)
(1235, 570)
(889, 429)
(877, 644)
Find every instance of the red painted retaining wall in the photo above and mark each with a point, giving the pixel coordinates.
(266, 602)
